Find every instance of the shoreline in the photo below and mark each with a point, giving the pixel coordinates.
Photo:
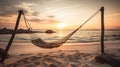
(67, 55)
(24, 48)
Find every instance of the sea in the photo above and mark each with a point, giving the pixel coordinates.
(81, 36)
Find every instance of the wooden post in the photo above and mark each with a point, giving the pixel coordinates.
(102, 30)
(12, 37)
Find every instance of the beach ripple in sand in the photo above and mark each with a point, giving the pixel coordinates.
(56, 59)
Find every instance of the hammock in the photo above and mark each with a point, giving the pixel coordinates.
(41, 43)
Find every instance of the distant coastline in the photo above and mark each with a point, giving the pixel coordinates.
(49, 31)
(19, 31)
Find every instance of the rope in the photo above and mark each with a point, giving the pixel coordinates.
(69, 35)
(27, 23)
(39, 41)
(89, 18)
(29, 26)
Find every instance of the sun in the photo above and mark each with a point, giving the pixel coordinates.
(61, 25)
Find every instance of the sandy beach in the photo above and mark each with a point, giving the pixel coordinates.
(68, 55)
(78, 33)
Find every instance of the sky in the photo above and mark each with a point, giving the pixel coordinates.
(60, 14)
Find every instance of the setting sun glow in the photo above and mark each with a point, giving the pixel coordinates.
(61, 25)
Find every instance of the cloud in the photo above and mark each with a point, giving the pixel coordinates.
(7, 25)
(3, 20)
(35, 14)
(62, 8)
(114, 15)
(49, 19)
(7, 11)
(42, 20)
(51, 16)
(36, 20)
(10, 7)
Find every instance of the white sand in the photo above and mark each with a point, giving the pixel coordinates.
(68, 55)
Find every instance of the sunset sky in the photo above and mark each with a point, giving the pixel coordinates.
(60, 14)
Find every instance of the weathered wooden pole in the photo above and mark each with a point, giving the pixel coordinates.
(102, 30)
(12, 37)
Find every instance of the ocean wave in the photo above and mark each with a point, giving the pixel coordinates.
(74, 39)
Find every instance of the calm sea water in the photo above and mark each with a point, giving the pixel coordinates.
(81, 36)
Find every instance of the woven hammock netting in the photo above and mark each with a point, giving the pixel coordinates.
(43, 44)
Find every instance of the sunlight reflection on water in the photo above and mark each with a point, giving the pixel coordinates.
(80, 36)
